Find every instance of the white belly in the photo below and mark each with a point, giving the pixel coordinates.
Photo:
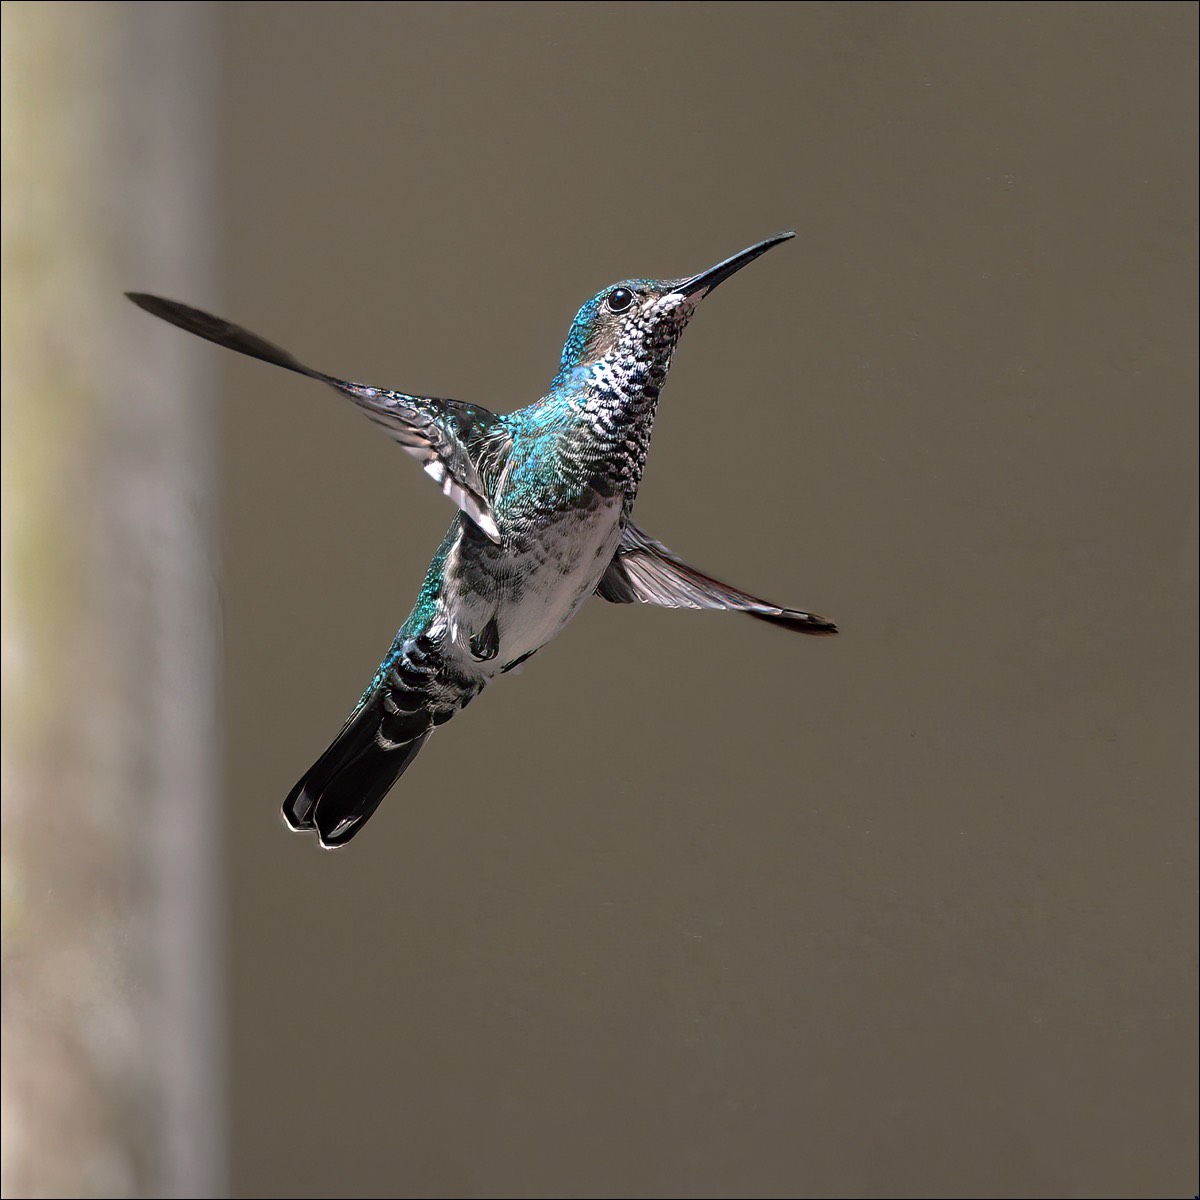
(536, 592)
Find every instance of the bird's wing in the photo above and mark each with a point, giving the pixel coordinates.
(461, 446)
(644, 569)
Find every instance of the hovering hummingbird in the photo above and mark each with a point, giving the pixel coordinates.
(545, 498)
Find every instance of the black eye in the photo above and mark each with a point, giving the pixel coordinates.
(619, 299)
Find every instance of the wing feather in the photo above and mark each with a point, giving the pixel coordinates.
(644, 569)
(462, 447)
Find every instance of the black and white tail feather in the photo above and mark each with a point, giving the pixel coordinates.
(340, 791)
(416, 692)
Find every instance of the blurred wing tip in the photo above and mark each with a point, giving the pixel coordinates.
(800, 622)
(147, 302)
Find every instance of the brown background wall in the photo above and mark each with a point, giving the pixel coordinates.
(693, 908)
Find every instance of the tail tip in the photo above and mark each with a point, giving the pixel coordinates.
(298, 813)
(297, 810)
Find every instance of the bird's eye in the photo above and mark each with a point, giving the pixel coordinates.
(619, 299)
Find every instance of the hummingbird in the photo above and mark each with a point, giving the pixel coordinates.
(545, 501)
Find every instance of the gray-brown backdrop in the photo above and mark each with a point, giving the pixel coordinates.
(692, 907)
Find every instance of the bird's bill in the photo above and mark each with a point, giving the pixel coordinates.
(700, 285)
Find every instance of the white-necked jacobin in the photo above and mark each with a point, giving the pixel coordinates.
(545, 498)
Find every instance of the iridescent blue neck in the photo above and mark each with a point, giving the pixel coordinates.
(575, 378)
(576, 344)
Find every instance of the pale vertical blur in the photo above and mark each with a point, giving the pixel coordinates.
(111, 1069)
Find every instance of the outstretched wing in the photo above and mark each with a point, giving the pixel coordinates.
(461, 446)
(644, 569)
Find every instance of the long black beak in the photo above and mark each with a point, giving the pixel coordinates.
(704, 283)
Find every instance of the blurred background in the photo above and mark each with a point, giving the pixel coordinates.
(689, 907)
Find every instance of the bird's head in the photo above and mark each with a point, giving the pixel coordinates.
(630, 328)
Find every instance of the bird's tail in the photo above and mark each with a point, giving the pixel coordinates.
(344, 786)
(415, 691)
